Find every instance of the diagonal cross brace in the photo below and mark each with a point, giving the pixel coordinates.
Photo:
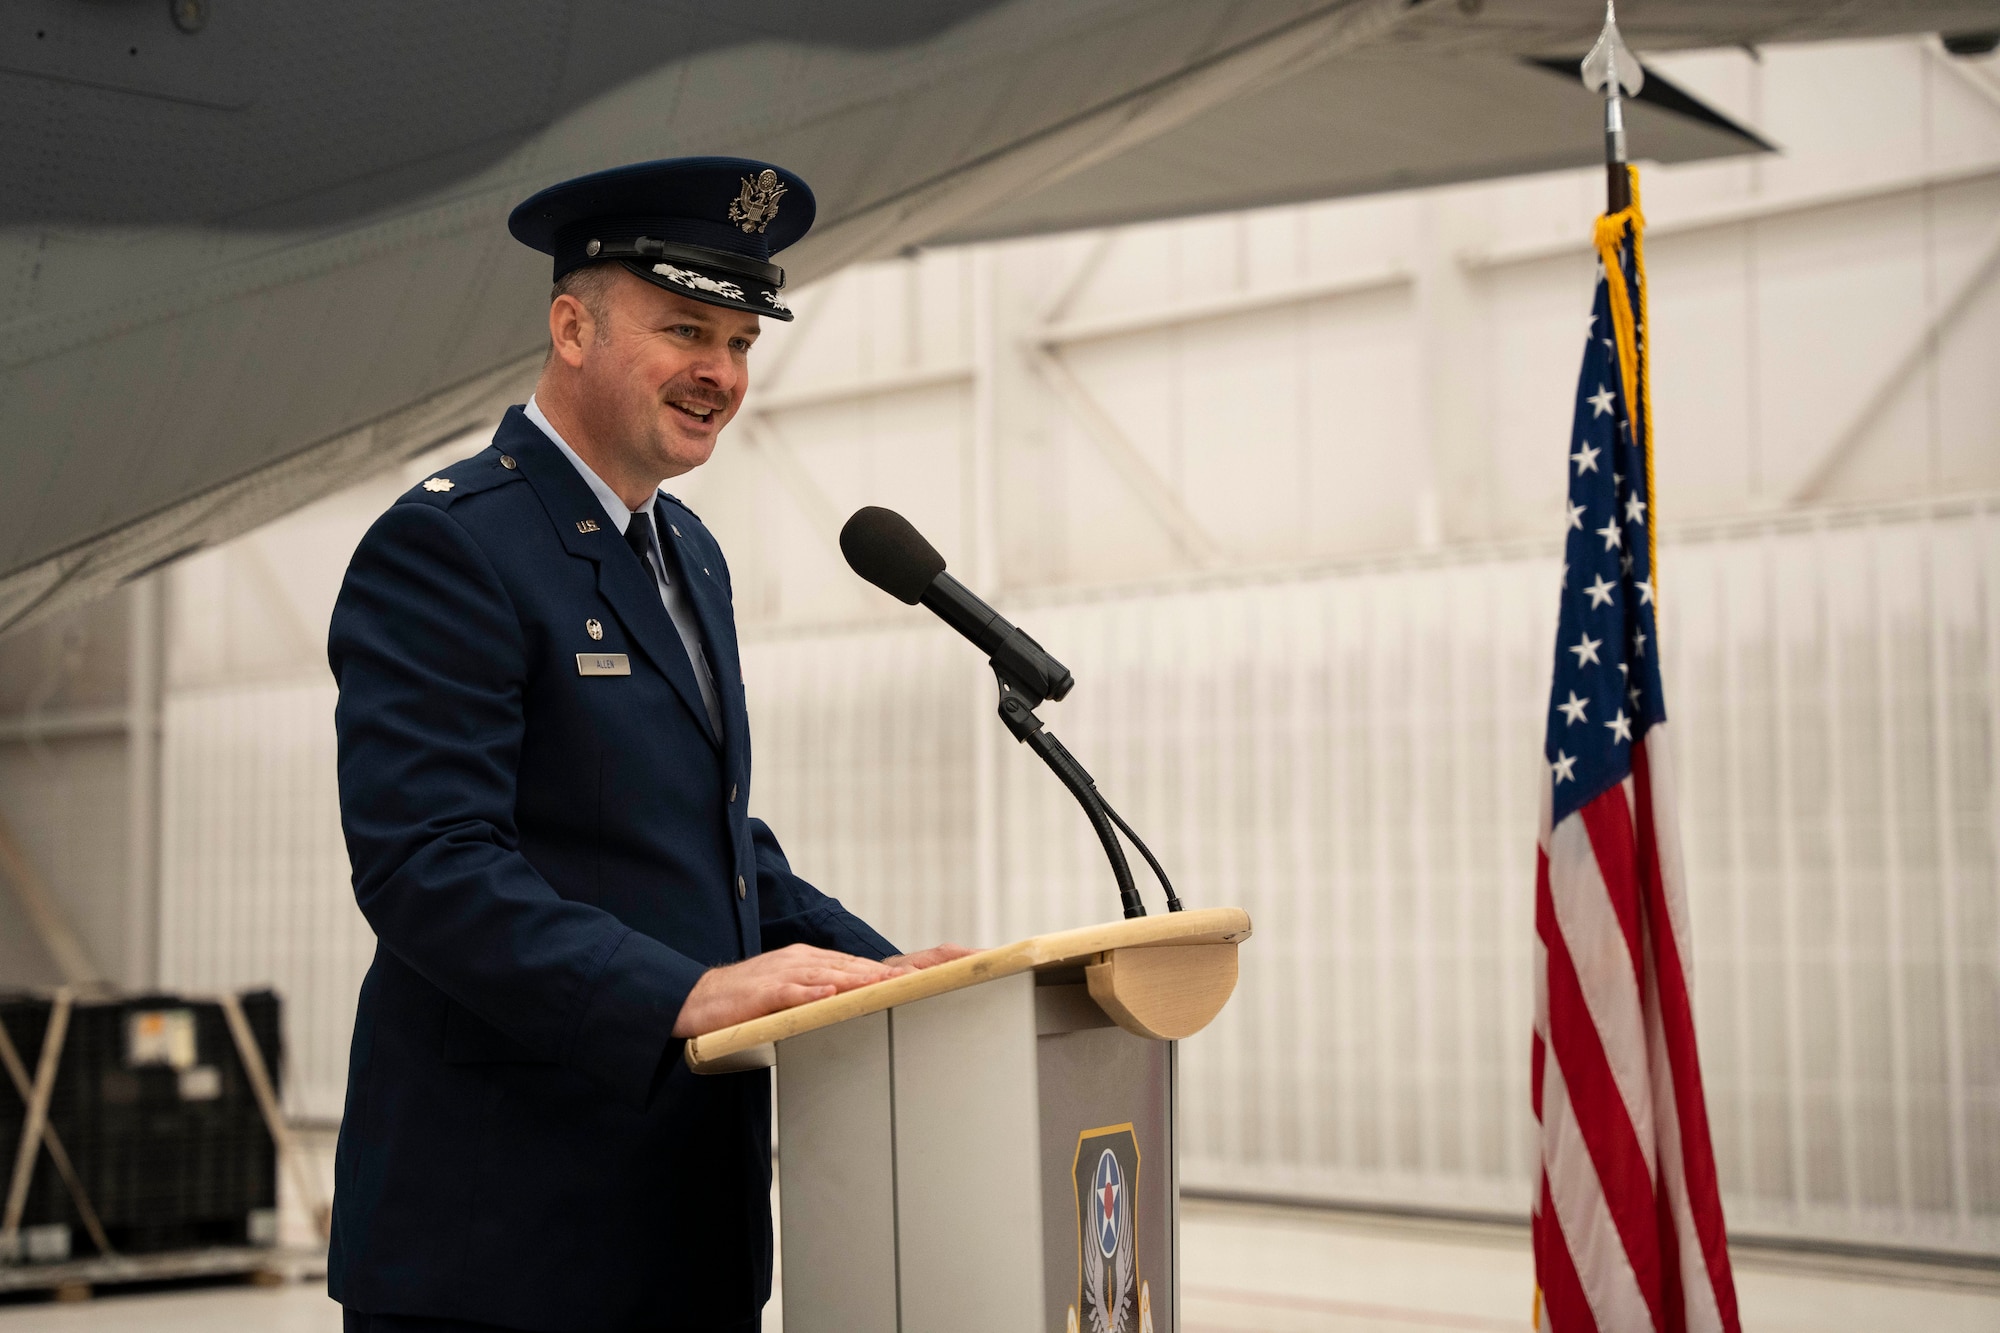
(34, 1122)
(17, 1071)
(247, 1050)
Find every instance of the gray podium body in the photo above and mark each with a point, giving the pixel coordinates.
(991, 1148)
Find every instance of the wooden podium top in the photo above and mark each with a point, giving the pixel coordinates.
(1209, 925)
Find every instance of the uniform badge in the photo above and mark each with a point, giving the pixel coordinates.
(593, 628)
(438, 484)
(1110, 1296)
(586, 525)
(687, 277)
(757, 202)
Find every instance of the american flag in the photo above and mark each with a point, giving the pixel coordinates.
(1628, 1230)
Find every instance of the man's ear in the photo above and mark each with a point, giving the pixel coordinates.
(571, 328)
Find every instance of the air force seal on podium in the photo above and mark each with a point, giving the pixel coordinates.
(1111, 1297)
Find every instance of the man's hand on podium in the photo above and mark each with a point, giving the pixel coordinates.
(793, 975)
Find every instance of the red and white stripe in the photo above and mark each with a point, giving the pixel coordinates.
(1628, 1228)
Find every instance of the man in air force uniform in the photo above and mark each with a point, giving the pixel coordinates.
(544, 781)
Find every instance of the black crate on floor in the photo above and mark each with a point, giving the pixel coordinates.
(163, 1126)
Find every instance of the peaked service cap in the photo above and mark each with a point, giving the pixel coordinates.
(700, 227)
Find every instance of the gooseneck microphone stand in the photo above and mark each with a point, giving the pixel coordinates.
(1018, 699)
(883, 547)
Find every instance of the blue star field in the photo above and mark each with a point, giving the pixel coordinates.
(1606, 690)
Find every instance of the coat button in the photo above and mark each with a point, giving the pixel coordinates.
(732, 793)
(507, 461)
(742, 889)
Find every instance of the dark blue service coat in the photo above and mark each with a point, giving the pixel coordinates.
(549, 861)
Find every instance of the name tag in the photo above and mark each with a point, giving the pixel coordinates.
(603, 664)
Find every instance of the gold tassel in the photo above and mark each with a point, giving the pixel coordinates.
(1634, 358)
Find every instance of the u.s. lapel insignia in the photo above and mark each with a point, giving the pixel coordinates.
(586, 525)
(757, 202)
(438, 484)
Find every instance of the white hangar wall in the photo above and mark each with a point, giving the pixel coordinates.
(1351, 753)
(1283, 489)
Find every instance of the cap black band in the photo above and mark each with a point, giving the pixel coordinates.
(645, 247)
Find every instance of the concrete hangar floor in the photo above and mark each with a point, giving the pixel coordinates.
(1262, 1269)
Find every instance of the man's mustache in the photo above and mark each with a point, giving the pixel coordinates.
(678, 391)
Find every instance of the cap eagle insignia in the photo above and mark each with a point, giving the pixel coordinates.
(757, 202)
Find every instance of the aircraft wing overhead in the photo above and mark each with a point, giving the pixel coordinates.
(251, 263)
(1362, 124)
(253, 259)
(1452, 92)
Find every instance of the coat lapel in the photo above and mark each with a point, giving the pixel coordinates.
(718, 623)
(621, 580)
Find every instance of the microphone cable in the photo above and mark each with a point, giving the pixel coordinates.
(1159, 872)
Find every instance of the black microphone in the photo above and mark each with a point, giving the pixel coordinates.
(882, 547)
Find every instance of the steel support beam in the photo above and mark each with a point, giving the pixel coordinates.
(1812, 480)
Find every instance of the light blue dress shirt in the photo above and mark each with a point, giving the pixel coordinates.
(671, 596)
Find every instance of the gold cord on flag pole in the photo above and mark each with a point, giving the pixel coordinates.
(1634, 357)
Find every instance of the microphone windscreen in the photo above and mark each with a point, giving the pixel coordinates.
(882, 547)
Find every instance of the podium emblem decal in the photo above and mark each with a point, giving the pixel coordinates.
(1106, 1171)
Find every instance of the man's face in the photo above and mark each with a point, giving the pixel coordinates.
(662, 375)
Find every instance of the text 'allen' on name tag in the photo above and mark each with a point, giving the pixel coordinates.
(603, 664)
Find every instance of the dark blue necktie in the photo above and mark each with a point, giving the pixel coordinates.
(639, 536)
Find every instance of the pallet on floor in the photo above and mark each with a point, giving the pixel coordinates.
(76, 1278)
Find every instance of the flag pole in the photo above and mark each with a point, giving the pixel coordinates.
(1612, 69)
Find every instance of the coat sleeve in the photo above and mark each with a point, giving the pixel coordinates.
(432, 664)
(794, 912)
